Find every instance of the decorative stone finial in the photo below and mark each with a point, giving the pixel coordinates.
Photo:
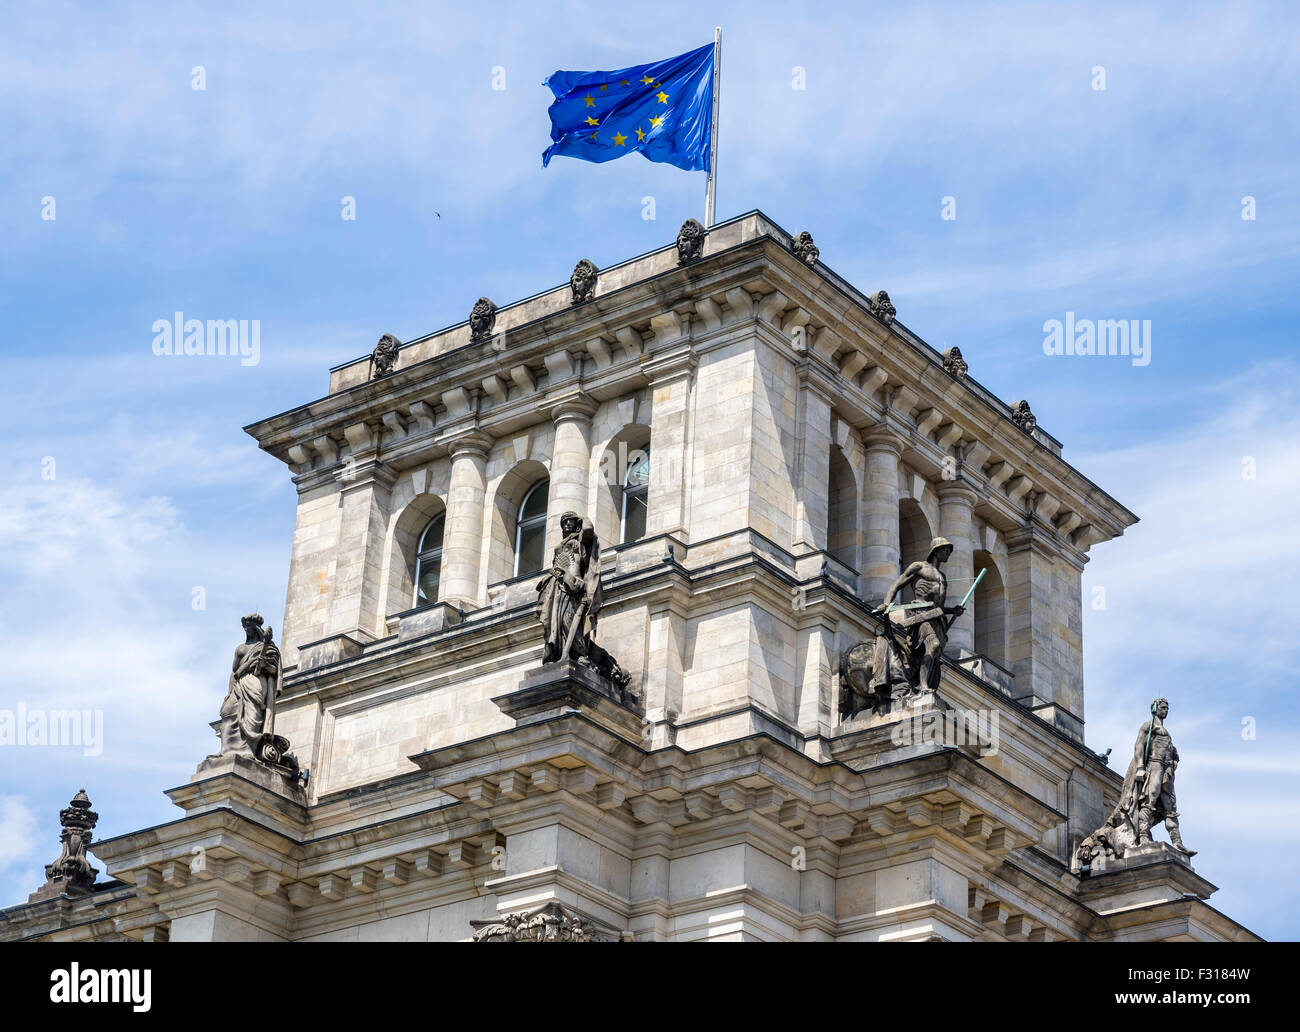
(1145, 800)
(482, 318)
(881, 307)
(1024, 418)
(384, 357)
(954, 363)
(804, 248)
(583, 281)
(71, 874)
(690, 242)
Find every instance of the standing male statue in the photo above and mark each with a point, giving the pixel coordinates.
(248, 710)
(921, 628)
(569, 599)
(1147, 797)
(909, 651)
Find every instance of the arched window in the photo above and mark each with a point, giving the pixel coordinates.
(842, 510)
(530, 530)
(636, 495)
(990, 610)
(428, 561)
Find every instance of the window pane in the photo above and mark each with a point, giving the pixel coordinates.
(535, 503)
(635, 515)
(532, 545)
(638, 474)
(426, 585)
(432, 536)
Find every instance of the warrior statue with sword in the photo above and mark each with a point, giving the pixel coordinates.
(909, 650)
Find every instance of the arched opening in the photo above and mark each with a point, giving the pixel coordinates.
(622, 496)
(526, 486)
(428, 562)
(990, 610)
(636, 498)
(914, 534)
(842, 511)
(530, 530)
(417, 533)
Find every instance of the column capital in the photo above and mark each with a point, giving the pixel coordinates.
(881, 438)
(473, 442)
(672, 365)
(1032, 536)
(353, 474)
(576, 407)
(957, 491)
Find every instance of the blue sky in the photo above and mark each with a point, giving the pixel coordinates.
(1122, 203)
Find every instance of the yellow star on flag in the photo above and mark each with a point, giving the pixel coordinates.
(592, 121)
(647, 80)
(591, 101)
(604, 85)
(655, 121)
(640, 133)
(619, 139)
(663, 97)
(625, 83)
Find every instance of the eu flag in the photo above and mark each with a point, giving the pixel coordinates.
(664, 110)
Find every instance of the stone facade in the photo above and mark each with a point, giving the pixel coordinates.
(803, 445)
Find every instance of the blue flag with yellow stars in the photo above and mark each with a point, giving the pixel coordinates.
(664, 110)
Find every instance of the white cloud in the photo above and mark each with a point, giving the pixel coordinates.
(17, 832)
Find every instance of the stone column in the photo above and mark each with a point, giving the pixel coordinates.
(665, 664)
(672, 378)
(570, 464)
(365, 485)
(812, 481)
(880, 514)
(1031, 571)
(462, 541)
(956, 502)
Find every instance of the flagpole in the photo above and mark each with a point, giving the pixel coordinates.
(711, 189)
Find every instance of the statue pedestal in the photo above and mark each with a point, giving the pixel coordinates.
(900, 709)
(61, 886)
(1139, 856)
(568, 687)
(1147, 875)
(236, 775)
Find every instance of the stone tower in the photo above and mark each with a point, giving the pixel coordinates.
(760, 449)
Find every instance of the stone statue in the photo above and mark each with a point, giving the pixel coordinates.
(1146, 799)
(804, 248)
(384, 357)
(247, 725)
(690, 242)
(909, 652)
(881, 307)
(482, 318)
(1023, 418)
(569, 599)
(71, 874)
(583, 281)
(954, 363)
